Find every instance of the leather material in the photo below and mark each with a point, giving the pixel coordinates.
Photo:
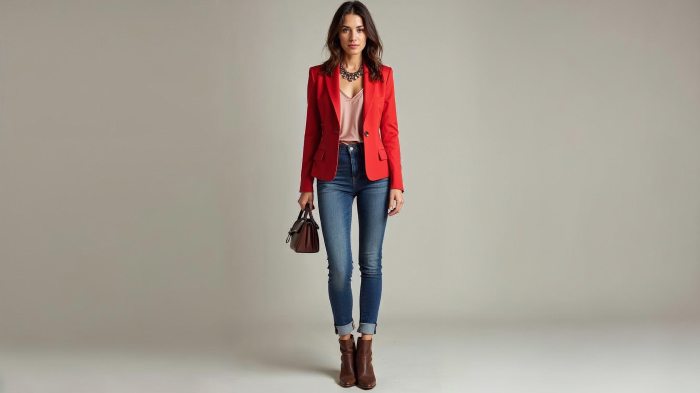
(379, 131)
(303, 235)
(347, 362)
(363, 363)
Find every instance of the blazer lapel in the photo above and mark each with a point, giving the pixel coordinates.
(333, 88)
(368, 85)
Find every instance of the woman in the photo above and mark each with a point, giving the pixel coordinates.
(350, 99)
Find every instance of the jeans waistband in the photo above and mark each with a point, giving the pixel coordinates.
(351, 148)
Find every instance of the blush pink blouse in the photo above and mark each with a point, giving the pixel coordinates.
(351, 117)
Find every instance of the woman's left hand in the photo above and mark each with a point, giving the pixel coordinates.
(395, 201)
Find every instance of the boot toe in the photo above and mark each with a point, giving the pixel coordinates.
(347, 384)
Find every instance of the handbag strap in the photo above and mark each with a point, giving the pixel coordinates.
(311, 215)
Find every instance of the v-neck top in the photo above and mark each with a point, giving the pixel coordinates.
(351, 117)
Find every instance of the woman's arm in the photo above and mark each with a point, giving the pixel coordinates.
(312, 135)
(390, 134)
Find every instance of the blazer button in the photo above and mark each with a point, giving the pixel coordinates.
(366, 133)
(336, 131)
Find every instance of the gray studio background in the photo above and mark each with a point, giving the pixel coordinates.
(150, 155)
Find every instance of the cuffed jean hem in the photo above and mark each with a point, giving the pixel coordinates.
(345, 329)
(367, 328)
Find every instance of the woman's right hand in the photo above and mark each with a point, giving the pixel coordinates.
(306, 197)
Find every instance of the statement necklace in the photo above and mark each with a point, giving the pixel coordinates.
(350, 76)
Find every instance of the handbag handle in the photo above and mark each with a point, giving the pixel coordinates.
(311, 215)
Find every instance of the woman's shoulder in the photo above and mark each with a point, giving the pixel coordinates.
(315, 69)
(386, 69)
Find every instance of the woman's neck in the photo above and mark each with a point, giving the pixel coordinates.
(353, 63)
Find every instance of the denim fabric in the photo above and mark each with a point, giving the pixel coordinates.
(335, 200)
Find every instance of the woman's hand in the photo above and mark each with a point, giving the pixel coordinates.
(395, 201)
(306, 197)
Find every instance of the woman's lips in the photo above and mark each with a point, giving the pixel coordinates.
(354, 46)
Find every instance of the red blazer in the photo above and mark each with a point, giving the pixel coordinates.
(322, 135)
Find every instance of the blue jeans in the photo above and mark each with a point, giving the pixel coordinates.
(335, 199)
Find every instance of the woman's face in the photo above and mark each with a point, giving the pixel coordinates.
(352, 35)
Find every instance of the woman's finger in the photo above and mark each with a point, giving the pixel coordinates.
(397, 206)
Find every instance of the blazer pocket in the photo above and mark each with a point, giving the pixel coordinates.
(382, 154)
(319, 154)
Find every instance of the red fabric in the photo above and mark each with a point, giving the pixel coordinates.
(322, 134)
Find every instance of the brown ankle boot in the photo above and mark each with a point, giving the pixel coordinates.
(363, 362)
(347, 362)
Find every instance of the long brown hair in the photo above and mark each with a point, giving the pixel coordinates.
(371, 54)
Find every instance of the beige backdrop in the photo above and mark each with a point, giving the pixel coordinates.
(150, 155)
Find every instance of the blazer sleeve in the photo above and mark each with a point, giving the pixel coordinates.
(312, 135)
(390, 134)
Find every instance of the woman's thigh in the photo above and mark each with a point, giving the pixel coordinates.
(335, 200)
(372, 212)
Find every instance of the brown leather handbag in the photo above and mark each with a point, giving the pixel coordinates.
(303, 235)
